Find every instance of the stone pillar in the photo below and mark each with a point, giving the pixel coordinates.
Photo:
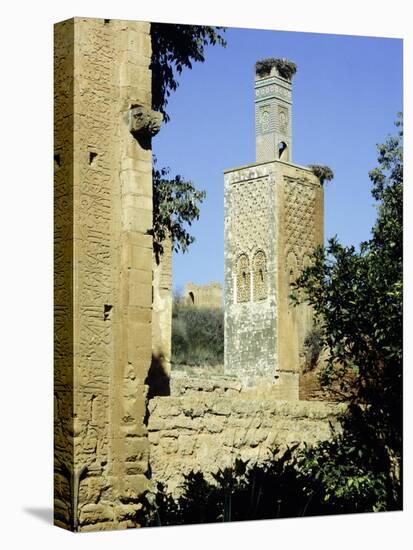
(250, 273)
(160, 371)
(273, 117)
(273, 221)
(103, 270)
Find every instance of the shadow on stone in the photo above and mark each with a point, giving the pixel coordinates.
(144, 141)
(157, 379)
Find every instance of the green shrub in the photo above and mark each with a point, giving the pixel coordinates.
(197, 335)
(329, 478)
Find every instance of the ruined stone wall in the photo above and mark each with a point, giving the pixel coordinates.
(103, 272)
(207, 429)
(209, 295)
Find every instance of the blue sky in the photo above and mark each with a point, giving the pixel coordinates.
(346, 94)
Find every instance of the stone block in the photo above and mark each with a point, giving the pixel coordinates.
(137, 219)
(140, 294)
(125, 512)
(136, 448)
(95, 513)
(186, 444)
(169, 445)
(222, 407)
(137, 201)
(140, 258)
(214, 424)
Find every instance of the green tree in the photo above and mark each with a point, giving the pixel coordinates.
(357, 300)
(175, 204)
(174, 47)
(175, 201)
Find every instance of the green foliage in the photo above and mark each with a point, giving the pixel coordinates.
(175, 201)
(285, 68)
(357, 301)
(175, 204)
(174, 47)
(329, 478)
(239, 493)
(197, 335)
(352, 471)
(323, 173)
(294, 483)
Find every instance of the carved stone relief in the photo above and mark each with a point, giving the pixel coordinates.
(243, 279)
(144, 121)
(283, 119)
(250, 217)
(299, 201)
(259, 266)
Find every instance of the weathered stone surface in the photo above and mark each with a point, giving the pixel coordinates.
(209, 295)
(103, 270)
(182, 384)
(273, 222)
(113, 300)
(244, 425)
(273, 117)
(160, 372)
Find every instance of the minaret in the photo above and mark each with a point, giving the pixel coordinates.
(273, 110)
(273, 220)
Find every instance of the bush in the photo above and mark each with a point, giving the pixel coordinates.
(197, 335)
(299, 482)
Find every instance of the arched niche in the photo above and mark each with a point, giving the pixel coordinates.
(260, 276)
(243, 279)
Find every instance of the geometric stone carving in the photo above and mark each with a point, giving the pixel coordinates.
(299, 200)
(273, 221)
(251, 203)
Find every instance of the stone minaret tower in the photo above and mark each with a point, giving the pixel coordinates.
(273, 111)
(273, 221)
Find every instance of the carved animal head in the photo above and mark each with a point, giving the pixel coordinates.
(144, 121)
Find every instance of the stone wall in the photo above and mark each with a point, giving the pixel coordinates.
(209, 295)
(211, 423)
(103, 270)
